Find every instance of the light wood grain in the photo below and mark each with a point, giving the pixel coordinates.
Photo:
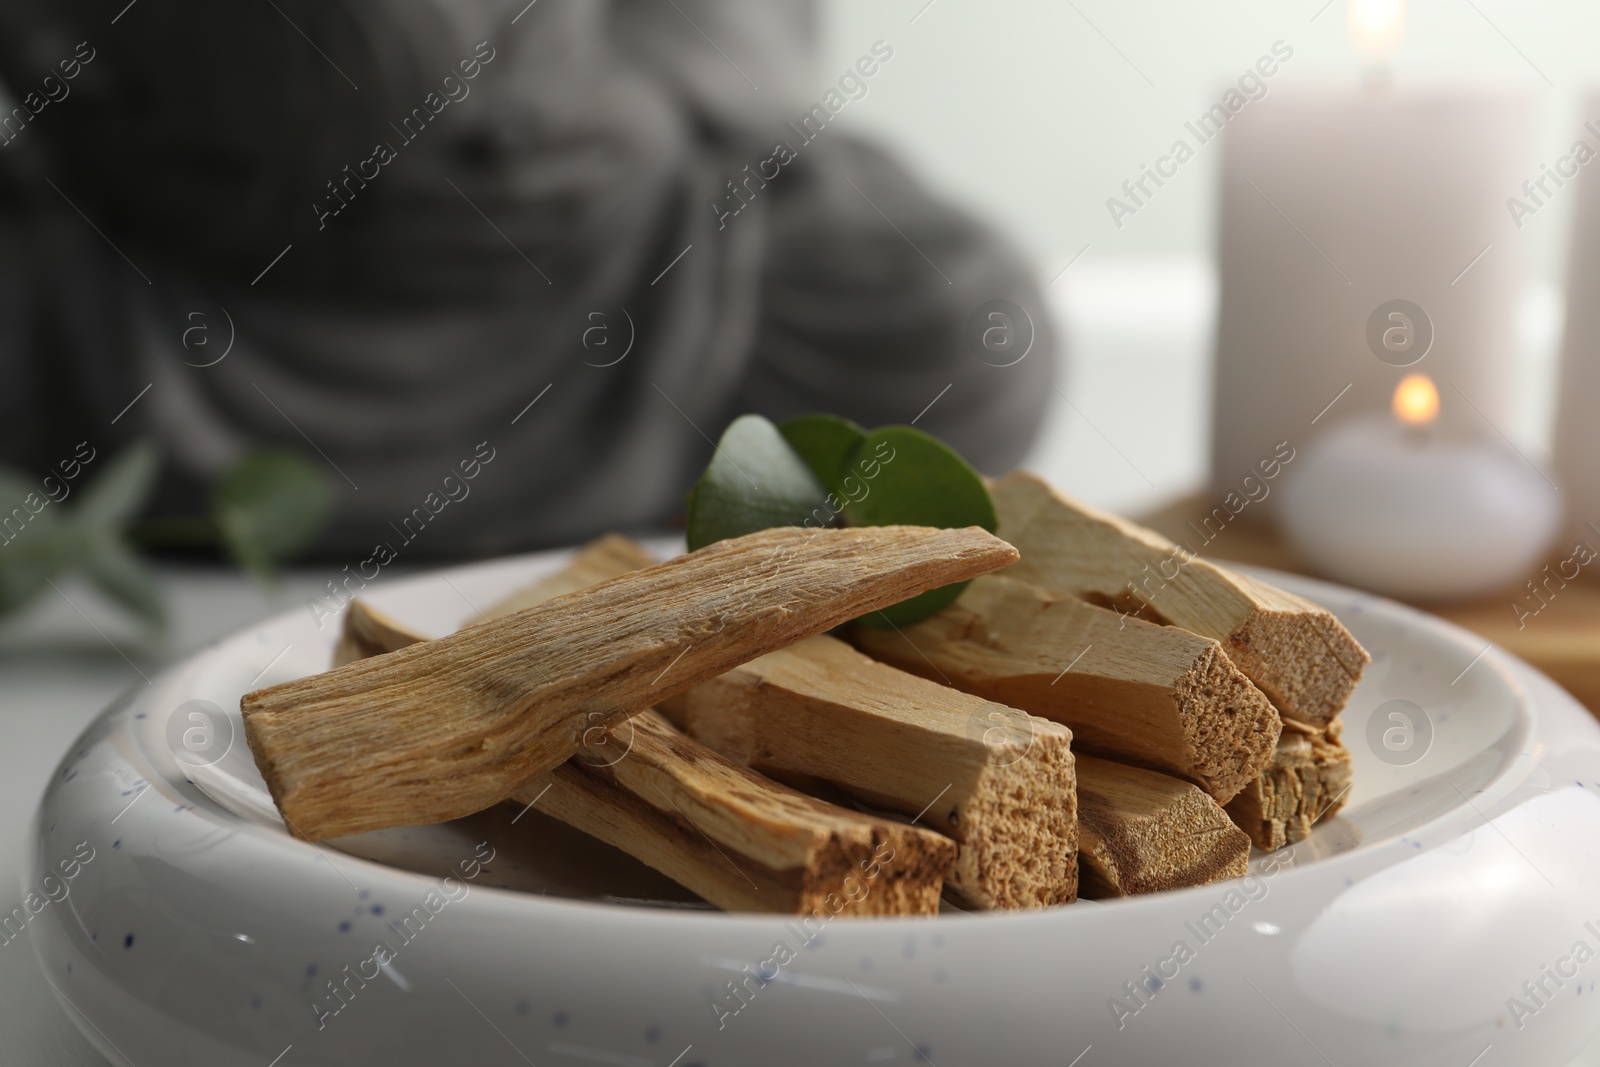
(801, 857)
(1307, 780)
(1562, 639)
(1144, 832)
(366, 631)
(997, 780)
(1157, 696)
(439, 730)
(741, 841)
(604, 558)
(1294, 650)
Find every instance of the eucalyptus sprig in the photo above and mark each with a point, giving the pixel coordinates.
(265, 508)
(820, 470)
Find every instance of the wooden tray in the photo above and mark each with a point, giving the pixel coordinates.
(1562, 640)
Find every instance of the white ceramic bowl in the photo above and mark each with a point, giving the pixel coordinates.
(194, 930)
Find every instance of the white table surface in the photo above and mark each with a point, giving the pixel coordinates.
(1139, 336)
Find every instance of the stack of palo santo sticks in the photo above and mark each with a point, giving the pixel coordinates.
(1106, 714)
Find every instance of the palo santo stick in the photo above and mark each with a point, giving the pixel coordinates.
(672, 803)
(369, 632)
(1142, 832)
(439, 730)
(997, 780)
(1152, 695)
(741, 841)
(1294, 650)
(1307, 779)
(605, 557)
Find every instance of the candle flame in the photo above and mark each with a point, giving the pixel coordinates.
(1376, 26)
(1416, 400)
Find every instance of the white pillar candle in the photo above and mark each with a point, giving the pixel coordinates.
(1577, 437)
(1336, 204)
(1396, 505)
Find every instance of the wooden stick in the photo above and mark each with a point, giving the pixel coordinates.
(439, 730)
(1294, 650)
(606, 557)
(997, 780)
(369, 632)
(1308, 779)
(1142, 832)
(1152, 695)
(741, 841)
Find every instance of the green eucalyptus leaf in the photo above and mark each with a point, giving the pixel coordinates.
(755, 481)
(117, 492)
(125, 578)
(825, 442)
(269, 506)
(902, 476)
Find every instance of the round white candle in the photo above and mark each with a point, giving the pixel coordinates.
(1383, 504)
